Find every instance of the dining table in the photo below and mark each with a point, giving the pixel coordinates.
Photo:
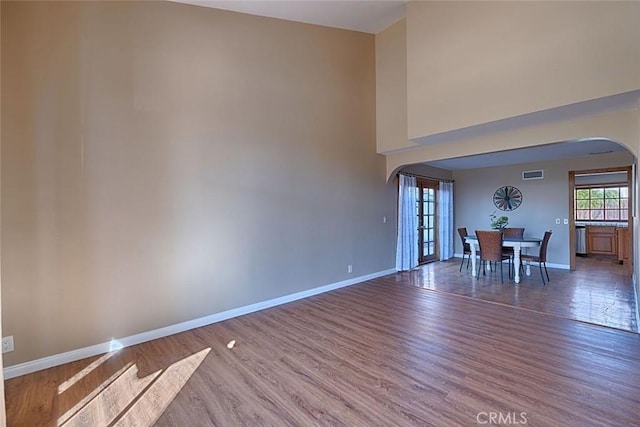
(517, 243)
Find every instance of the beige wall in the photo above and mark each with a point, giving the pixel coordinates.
(543, 200)
(391, 88)
(470, 63)
(163, 162)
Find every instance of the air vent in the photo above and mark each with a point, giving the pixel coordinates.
(526, 175)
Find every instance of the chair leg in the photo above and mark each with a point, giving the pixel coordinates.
(501, 273)
(484, 271)
(541, 275)
(545, 270)
(462, 263)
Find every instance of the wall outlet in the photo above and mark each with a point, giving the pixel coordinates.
(349, 268)
(7, 344)
(557, 220)
(565, 221)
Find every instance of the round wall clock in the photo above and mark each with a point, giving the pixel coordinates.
(507, 198)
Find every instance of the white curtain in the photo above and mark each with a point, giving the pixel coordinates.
(445, 223)
(407, 248)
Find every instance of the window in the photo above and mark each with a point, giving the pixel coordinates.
(602, 203)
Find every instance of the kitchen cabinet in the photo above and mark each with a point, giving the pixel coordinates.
(622, 238)
(601, 240)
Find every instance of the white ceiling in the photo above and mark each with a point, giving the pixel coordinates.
(541, 153)
(367, 16)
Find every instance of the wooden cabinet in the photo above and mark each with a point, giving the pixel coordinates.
(608, 241)
(622, 237)
(601, 240)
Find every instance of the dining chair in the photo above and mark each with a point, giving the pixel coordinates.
(511, 232)
(541, 258)
(466, 248)
(490, 243)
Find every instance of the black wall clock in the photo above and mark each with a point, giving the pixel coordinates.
(507, 198)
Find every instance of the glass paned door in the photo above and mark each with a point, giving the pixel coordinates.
(426, 211)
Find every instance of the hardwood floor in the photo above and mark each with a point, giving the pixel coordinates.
(376, 353)
(598, 291)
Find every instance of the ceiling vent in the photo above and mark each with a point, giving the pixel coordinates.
(527, 175)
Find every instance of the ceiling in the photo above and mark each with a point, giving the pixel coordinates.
(541, 153)
(367, 16)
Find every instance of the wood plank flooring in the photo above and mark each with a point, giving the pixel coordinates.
(377, 353)
(599, 290)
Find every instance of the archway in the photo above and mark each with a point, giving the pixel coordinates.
(596, 161)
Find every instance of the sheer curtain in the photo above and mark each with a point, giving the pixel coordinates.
(407, 248)
(445, 215)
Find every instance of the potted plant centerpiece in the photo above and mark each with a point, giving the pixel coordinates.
(498, 222)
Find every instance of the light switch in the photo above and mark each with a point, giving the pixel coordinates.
(557, 220)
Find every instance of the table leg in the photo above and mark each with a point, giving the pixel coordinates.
(527, 268)
(473, 260)
(516, 263)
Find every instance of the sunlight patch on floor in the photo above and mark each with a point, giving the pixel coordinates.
(141, 400)
(112, 400)
(83, 373)
(67, 415)
(147, 410)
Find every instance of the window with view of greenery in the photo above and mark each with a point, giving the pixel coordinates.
(602, 203)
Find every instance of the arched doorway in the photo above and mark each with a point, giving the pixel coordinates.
(589, 157)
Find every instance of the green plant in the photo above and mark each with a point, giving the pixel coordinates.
(498, 222)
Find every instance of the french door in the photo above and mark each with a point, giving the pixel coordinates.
(427, 220)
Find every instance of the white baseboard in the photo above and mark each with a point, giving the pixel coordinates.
(553, 265)
(94, 350)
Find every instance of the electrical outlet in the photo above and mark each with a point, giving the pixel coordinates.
(349, 268)
(557, 220)
(7, 344)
